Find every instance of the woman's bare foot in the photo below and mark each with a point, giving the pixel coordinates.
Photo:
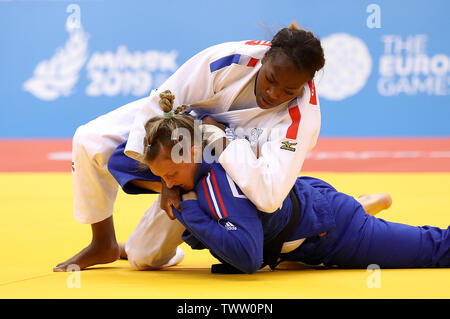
(123, 253)
(103, 249)
(375, 203)
(93, 254)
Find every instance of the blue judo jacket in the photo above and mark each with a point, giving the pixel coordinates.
(224, 221)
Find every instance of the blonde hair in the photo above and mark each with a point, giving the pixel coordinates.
(159, 128)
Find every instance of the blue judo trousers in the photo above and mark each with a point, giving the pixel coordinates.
(358, 239)
(224, 221)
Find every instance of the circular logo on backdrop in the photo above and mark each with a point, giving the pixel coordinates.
(347, 66)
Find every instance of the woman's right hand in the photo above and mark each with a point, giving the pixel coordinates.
(170, 197)
(215, 135)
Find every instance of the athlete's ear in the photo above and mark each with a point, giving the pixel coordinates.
(264, 59)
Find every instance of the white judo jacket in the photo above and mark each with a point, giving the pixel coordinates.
(210, 79)
(271, 145)
(263, 164)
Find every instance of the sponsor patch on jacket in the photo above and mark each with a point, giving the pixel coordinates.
(288, 146)
(225, 223)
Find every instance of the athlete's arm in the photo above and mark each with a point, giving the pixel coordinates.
(229, 226)
(133, 176)
(191, 83)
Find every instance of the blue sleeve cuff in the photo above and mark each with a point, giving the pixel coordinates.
(125, 169)
(202, 116)
(189, 204)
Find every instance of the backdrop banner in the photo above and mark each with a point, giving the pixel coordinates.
(63, 63)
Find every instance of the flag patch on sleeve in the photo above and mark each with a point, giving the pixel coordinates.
(240, 59)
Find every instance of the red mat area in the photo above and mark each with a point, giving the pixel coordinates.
(35, 155)
(380, 155)
(330, 154)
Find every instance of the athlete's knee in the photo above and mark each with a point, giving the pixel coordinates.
(144, 262)
(139, 264)
(140, 259)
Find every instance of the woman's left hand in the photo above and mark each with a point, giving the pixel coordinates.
(190, 195)
(210, 121)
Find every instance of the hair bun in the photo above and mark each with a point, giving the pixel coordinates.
(166, 101)
(294, 26)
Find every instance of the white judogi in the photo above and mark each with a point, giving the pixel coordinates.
(207, 80)
(193, 83)
(266, 171)
(210, 83)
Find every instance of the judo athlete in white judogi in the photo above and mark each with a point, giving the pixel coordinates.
(248, 84)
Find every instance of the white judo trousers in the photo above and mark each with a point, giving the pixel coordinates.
(154, 242)
(94, 188)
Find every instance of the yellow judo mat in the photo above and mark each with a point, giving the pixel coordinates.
(37, 231)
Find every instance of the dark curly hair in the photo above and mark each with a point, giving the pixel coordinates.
(301, 46)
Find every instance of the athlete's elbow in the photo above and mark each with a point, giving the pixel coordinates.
(251, 262)
(268, 205)
(267, 201)
(255, 267)
(250, 270)
(251, 266)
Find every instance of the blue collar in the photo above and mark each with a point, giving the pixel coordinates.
(203, 170)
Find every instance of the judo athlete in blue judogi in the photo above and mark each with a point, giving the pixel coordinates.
(315, 224)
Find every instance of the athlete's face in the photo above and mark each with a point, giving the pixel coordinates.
(278, 81)
(174, 174)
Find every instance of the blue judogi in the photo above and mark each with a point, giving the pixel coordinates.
(224, 221)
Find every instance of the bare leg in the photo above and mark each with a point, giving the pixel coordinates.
(375, 203)
(102, 250)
